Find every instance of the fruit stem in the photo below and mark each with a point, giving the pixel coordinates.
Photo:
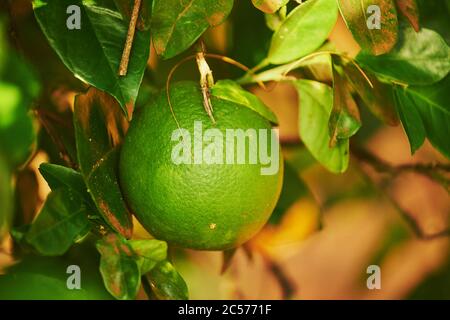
(123, 68)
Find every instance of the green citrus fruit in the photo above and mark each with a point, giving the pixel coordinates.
(201, 206)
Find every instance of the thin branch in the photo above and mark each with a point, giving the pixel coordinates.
(430, 170)
(382, 166)
(123, 68)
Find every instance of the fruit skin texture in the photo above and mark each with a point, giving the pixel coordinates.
(198, 206)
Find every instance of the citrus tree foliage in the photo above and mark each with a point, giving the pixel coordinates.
(400, 76)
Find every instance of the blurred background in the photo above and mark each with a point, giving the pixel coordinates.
(327, 228)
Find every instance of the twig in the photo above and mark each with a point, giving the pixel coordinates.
(382, 166)
(123, 68)
(429, 170)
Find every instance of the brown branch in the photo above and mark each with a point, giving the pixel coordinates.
(431, 170)
(384, 167)
(123, 68)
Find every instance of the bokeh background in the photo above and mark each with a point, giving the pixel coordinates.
(328, 229)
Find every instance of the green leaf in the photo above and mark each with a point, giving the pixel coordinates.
(303, 31)
(269, 6)
(176, 25)
(167, 283)
(149, 253)
(61, 222)
(62, 177)
(102, 35)
(425, 112)
(119, 267)
(345, 120)
(410, 117)
(99, 129)
(316, 103)
(410, 10)
(379, 98)
(418, 59)
(358, 18)
(231, 91)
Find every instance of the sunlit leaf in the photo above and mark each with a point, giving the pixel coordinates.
(99, 128)
(119, 267)
(303, 31)
(93, 53)
(418, 59)
(176, 25)
(316, 103)
(231, 91)
(373, 23)
(62, 221)
(167, 283)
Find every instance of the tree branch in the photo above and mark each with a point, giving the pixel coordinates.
(382, 166)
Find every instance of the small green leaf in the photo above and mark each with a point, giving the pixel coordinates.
(362, 22)
(410, 10)
(62, 221)
(149, 253)
(425, 112)
(167, 283)
(231, 91)
(418, 59)
(99, 129)
(303, 31)
(345, 120)
(269, 6)
(119, 267)
(316, 103)
(378, 98)
(62, 177)
(102, 35)
(176, 25)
